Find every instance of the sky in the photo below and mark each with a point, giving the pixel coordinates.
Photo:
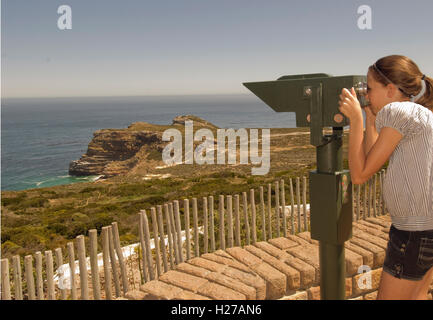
(182, 47)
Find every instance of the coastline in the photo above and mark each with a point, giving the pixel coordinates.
(57, 181)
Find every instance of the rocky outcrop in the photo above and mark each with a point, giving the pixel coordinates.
(198, 122)
(117, 151)
(108, 146)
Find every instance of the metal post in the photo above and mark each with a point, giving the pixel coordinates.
(331, 256)
(332, 271)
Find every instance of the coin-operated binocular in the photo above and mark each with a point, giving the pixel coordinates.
(315, 100)
(313, 97)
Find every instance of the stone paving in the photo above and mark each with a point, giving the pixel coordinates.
(285, 268)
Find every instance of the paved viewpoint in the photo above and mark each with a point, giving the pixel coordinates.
(284, 268)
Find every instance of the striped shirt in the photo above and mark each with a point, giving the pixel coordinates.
(408, 183)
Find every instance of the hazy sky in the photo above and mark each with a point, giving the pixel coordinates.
(158, 47)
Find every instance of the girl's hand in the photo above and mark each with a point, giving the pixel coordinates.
(370, 117)
(349, 104)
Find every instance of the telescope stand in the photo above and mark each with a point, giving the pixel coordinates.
(331, 214)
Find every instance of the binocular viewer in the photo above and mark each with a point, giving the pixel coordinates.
(315, 100)
(313, 97)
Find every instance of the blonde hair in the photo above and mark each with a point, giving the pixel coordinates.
(405, 74)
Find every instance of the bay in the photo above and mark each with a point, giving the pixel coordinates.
(41, 136)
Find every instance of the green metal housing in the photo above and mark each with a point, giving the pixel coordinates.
(331, 206)
(287, 94)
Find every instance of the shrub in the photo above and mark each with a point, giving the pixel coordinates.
(59, 228)
(89, 190)
(12, 201)
(250, 180)
(51, 193)
(109, 207)
(76, 229)
(29, 239)
(6, 234)
(224, 174)
(80, 217)
(127, 239)
(34, 202)
(130, 189)
(155, 200)
(10, 247)
(101, 221)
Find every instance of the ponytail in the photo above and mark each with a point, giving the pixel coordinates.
(427, 99)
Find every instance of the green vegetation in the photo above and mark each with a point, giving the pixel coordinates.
(47, 218)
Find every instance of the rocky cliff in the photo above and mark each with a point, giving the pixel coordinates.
(117, 151)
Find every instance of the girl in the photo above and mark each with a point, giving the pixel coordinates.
(399, 127)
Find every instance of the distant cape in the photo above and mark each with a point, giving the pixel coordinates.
(137, 148)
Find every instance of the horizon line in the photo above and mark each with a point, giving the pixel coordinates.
(126, 96)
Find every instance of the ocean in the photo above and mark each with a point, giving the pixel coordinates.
(41, 136)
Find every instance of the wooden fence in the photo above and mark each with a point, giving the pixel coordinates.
(171, 238)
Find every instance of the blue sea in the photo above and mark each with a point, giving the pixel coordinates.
(41, 136)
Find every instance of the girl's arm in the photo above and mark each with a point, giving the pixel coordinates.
(370, 132)
(361, 165)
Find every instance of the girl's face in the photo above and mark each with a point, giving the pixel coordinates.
(380, 95)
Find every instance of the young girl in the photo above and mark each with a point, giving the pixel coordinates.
(399, 128)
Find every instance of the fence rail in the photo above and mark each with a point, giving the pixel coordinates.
(255, 217)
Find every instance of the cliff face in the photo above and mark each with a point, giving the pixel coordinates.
(112, 152)
(117, 151)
